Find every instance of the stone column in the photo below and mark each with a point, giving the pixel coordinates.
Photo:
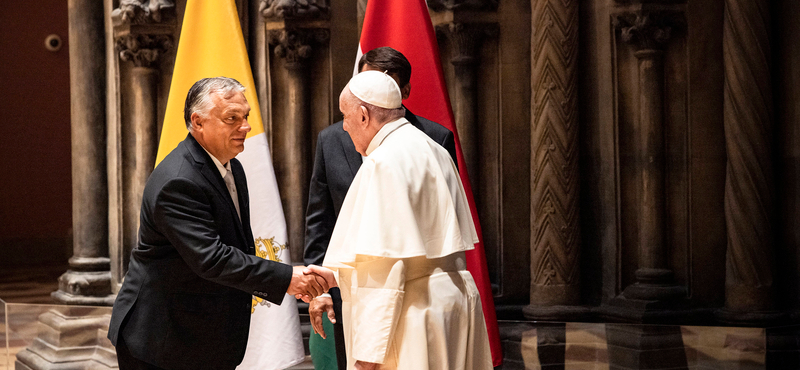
(466, 39)
(788, 134)
(294, 47)
(142, 34)
(648, 32)
(555, 229)
(749, 187)
(89, 280)
(139, 129)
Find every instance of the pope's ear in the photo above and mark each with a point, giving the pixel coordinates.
(364, 115)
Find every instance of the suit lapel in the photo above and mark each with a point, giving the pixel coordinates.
(209, 170)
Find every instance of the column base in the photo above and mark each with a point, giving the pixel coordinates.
(69, 342)
(557, 313)
(84, 288)
(643, 311)
(751, 318)
(645, 347)
(655, 292)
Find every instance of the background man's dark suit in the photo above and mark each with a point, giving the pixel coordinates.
(336, 163)
(185, 302)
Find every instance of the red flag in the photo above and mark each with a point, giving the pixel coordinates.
(405, 25)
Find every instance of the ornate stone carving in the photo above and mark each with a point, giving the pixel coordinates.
(466, 38)
(465, 41)
(442, 5)
(295, 45)
(141, 49)
(647, 29)
(143, 12)
(748, 116)
(555, 230)
(298, 9)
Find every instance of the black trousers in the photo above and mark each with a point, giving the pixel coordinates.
(338, 329)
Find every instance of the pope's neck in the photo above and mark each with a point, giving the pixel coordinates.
(385, 130)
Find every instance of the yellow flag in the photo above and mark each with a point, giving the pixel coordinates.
(211, 45)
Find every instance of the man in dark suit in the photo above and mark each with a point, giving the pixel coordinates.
(335, 165)
(185, 301)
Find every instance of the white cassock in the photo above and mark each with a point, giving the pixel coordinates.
(398, 246)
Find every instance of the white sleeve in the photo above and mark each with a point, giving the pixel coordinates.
(378, 300)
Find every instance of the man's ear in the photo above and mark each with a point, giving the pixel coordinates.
(197, 122)
(405, 92)
(364, 115)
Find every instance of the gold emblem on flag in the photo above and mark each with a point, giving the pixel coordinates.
(267, 249)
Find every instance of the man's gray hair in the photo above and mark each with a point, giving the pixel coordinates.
(198, 100)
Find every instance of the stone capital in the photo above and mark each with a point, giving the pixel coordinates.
(648, 29)
(142, 49)
(138, 12)
(293, 9)
(295, 45)
(466, 40)
(445, 5)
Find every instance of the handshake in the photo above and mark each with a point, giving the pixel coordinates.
(310, 281)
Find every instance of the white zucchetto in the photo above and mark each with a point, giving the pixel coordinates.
(376, 88)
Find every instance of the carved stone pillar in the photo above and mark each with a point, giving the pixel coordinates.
(749, 187)
(89, 280)
(139, 131)
(466, 38)
(648, 32)
(555, 229)
(294, 46)
(142, 34)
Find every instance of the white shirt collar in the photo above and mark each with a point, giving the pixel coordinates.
(223, 168)
(384, 132)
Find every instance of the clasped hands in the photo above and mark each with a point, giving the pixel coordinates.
(310, 281)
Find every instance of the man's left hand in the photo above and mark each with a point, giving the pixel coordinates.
(318, 307)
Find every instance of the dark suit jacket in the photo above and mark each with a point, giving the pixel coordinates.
(185, 301)
(335, 165)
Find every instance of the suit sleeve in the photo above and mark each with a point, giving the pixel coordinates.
(378, 300)
(320, 214)
(186, 219)
(449, 144)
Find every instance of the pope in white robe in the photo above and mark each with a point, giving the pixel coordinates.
(398, 246)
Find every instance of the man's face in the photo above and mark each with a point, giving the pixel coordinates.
(354, 121)
(224, 129)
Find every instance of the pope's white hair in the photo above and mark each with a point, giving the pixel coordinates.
(381, 115)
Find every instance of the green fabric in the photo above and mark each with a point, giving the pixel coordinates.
(323, 351)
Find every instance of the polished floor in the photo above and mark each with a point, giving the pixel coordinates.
(25, 294)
